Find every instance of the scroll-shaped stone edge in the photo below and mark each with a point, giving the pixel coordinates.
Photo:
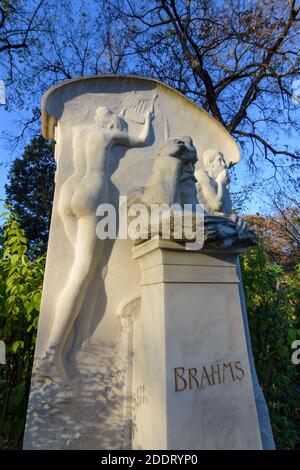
(51, 113)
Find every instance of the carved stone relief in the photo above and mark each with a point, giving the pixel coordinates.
(114, 136)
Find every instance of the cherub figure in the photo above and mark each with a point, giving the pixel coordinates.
(212, 183)
(213, 191)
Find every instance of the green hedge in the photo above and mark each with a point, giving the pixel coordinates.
(20, 295)
(272, 298)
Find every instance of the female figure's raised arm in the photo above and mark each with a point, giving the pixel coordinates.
(136, 140)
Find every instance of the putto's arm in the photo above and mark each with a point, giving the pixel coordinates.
(222, 180)
(213, 198)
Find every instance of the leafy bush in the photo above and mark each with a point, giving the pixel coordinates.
(272, 298)
(20, 294)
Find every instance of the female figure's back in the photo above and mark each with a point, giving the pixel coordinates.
(80, 196)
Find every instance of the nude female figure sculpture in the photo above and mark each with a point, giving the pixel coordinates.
(80, 196)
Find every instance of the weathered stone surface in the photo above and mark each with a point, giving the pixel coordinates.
(191, 376)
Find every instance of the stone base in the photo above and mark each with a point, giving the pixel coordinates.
(192, 384)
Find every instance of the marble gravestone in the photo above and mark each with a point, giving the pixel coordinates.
(145, 344)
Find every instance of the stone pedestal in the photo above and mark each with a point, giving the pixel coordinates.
(192, 384)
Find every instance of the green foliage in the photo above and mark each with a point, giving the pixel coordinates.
(272, 298)
(30, 191)
(20, 294)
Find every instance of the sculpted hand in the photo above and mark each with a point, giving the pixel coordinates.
(150, 112)
(201, 175)
(223, 178)
(149, 115)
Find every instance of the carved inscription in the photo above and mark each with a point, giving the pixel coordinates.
(192, 378)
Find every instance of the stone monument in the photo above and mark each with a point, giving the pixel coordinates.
(141, 344)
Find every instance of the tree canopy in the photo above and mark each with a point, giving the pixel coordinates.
(30, 191)
(236, 59)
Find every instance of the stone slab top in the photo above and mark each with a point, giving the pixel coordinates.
(54, 99)
(169, 245)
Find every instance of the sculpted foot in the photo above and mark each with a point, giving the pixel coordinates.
(71, 370)
(87, 344)
(50, 366)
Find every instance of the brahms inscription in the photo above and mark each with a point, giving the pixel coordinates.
(193, 378)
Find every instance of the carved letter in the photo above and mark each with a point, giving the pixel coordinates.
(213, 372)
(178, 375)
(192, 375)
(205, 376)
(237, 364)
(225, 366)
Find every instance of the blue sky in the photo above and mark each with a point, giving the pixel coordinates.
(9, 123)
(6, 123)
(243, 175)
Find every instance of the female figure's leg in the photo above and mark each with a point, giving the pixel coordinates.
(69, 220)
(87, 254)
